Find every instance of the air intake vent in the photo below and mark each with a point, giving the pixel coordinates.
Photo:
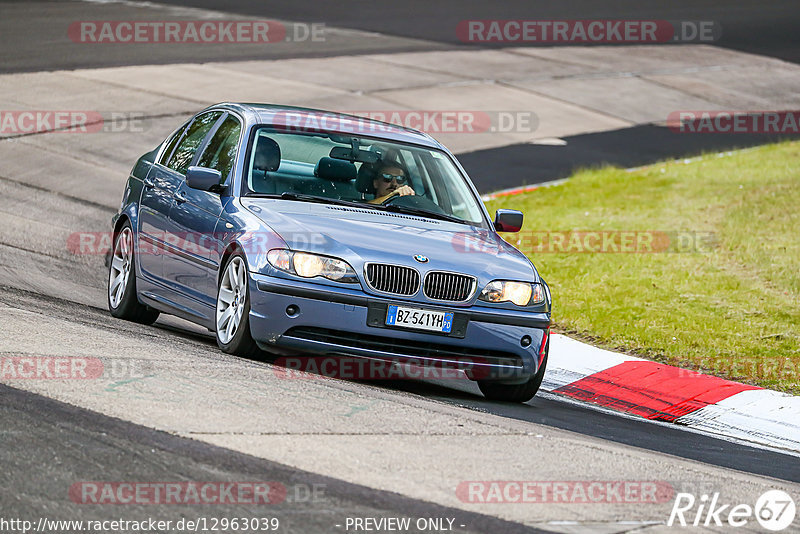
(452, 287)
(394, 279)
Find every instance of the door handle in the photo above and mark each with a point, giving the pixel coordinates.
(148, 182)
(180, 197)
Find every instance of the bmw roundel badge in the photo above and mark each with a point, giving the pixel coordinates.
(420, 258)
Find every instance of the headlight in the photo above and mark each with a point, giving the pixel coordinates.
(311, 265)
(520, 293)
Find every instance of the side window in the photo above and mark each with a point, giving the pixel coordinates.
(171, 145)
(184, 153)
(221, 150)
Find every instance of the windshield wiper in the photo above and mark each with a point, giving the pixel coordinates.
(302, 197)
(425, 213)
(288, 195)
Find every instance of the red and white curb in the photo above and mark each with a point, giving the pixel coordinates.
(522, 189)
(662, 392)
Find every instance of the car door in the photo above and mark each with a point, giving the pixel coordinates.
(163, 183)
(193, 218)
(154, 205)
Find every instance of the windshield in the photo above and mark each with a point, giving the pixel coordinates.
(374, 173)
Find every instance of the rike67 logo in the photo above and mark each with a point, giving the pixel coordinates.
(774, 510)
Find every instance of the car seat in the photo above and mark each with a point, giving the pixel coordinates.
(337, 177)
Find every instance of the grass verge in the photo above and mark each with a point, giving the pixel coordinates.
(714, 285)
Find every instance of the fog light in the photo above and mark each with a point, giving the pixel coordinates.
(525, 341)
(292, 310)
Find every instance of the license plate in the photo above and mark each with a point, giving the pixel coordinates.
(436, 321)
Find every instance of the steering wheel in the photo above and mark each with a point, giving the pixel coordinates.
(413, 201)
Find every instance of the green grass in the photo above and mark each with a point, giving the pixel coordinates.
(730, 309)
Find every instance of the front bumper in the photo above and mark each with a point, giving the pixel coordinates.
(485, 342)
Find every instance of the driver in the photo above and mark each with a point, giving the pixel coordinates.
(390, 180)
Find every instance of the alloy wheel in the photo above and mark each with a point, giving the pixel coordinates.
(120, 270)
(231, 299)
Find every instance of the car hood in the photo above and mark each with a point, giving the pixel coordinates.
(367, 235)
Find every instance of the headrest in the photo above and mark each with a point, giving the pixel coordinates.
(268, 155)
(335, 169)
(366, 175)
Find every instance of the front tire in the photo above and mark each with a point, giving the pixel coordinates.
(122, 301)
(233, 310)
(497, 391)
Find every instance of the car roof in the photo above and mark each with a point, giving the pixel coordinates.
(333, 122)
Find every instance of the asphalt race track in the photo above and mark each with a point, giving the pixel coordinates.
(115, 449)
(628, 147)
(173, 408)
(766, 28)
(758, 27)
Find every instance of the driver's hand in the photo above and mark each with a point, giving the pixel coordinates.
(403, 191)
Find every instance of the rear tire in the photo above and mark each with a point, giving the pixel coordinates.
(497, 391)
(122, 300)
(232, 318)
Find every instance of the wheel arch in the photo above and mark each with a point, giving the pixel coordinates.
(233, 248)
(119, 222)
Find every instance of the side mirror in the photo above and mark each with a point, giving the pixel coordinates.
(508, 221)
(204, 179)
